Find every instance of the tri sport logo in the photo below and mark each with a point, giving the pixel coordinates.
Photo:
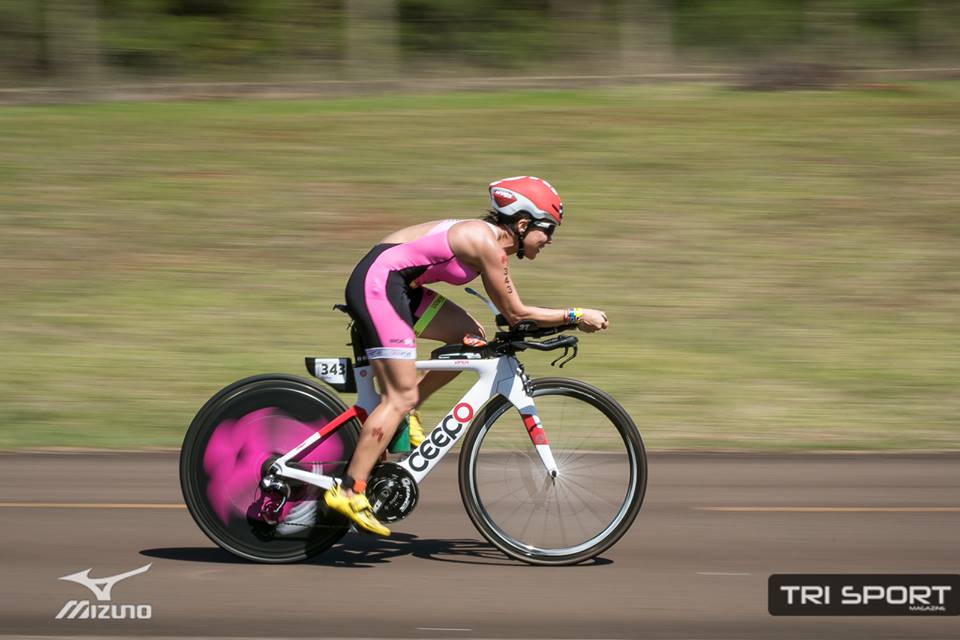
(102, 589)
(863, 595)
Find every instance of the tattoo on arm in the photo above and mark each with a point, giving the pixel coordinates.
(506, 272)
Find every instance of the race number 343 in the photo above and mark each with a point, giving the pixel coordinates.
(863, 595)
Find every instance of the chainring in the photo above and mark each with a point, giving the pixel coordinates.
(392, 492)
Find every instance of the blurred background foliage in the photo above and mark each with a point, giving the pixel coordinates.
(84, 40)
(780, 269)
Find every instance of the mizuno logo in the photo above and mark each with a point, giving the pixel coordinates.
(101, 587)
(83, 610)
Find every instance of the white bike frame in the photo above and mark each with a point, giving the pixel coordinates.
(501, 376)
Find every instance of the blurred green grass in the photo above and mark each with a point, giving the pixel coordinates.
(781, 270)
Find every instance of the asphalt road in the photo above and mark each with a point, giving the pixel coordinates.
(694, 565)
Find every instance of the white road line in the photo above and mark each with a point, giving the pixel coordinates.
(89, 505)
(441, 629)
(721, 573)
(831, 509)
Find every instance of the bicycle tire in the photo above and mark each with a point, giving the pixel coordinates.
(510, 463)
(250, 422)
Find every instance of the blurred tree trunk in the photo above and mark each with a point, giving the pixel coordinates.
(70, 47)
(646, 36)
(42, 63)
(372, 39)
(830, 30)
(575, 24)
(936, 33)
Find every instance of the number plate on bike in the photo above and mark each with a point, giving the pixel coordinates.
(337, 372)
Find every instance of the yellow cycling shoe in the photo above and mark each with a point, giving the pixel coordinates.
(355, 507)
(416, 429)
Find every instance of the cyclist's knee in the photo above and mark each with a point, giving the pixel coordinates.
(403, 400)
(469, 327)
(479, 330)
(473, 327)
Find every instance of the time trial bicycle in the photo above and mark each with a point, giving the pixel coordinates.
(552, 470)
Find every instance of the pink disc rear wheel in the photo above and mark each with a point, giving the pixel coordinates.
(230, 444)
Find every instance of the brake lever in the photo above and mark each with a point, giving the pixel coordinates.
(563, 355)
(566, 350)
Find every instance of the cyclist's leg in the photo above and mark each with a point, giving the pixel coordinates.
(390, 343)
(379, 305)
(398, 395)
(448, 325)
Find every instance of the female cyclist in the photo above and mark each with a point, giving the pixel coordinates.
(386, 298)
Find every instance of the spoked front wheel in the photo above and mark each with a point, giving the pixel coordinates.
(531, 516)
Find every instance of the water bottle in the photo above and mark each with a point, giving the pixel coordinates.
(401, 439)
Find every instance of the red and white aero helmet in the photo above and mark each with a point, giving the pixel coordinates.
(512, 196)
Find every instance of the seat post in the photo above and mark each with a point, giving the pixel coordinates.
(356, 341)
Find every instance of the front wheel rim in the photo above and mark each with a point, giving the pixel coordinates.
(571, 464)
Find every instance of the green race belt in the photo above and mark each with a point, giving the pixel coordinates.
(428, 315)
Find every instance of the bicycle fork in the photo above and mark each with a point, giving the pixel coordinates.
(531, 421)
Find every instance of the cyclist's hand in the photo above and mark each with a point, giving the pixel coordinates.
(593, 320)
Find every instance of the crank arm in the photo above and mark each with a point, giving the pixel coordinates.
(307, 477)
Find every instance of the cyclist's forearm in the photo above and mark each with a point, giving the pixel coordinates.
(542, 316)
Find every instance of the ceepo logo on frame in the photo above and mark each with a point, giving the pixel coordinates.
(102, 589)
(863, 595)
